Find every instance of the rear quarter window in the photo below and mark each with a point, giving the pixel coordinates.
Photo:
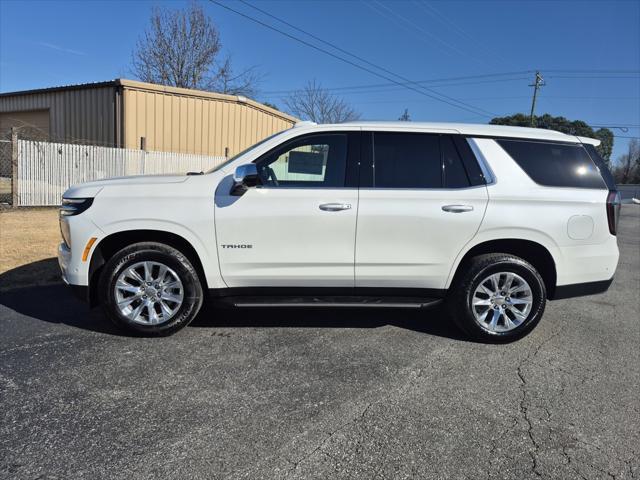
(555, 164)
(602, 165)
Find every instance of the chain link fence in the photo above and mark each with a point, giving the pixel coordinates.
(6, 150)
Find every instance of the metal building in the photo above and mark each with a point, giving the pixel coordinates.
(131, 114)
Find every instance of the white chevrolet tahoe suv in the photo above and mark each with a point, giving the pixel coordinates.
(492, 220)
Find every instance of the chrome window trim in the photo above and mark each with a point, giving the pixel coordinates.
(430, 189)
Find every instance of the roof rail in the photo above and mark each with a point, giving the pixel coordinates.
(304, 123)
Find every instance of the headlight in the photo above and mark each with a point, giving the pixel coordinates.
(74, 206)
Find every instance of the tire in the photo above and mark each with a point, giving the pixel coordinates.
(473, 306)
(141, 307)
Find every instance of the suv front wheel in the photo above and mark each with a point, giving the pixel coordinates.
(150, 288)
(497, 298)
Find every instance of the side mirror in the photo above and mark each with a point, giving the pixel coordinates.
(245, 177)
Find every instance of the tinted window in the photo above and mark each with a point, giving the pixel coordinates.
(455, 175)
(553, 164)
(474, 172)
(406, 160)
(602, 165)
(312, 161)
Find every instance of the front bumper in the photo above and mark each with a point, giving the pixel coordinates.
(64, 261)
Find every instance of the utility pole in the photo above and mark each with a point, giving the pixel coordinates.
(539, 82)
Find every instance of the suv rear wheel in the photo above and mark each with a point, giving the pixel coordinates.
(497, 298)
(150, 288)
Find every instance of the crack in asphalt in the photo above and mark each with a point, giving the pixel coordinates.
(570, 462)
(524, 401)
(328, 438)
(413, 375)
(494, 445)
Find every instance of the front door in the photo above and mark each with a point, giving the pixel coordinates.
(298, 228)
(421, 203)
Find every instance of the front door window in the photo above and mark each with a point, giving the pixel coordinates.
(315, 161)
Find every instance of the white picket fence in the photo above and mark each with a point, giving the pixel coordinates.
(46, 170)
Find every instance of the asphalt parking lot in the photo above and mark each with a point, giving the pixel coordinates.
(322, 394)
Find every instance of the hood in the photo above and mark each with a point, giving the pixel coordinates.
(91, 189)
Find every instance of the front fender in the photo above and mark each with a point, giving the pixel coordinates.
(205, 250)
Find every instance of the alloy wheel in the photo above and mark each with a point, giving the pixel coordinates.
(148, 293)
(502, 302)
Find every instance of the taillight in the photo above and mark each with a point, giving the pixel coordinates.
(613, 210)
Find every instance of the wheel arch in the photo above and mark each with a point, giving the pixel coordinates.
(533, 252)
(114, 242)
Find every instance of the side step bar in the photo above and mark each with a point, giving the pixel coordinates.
(333, 301)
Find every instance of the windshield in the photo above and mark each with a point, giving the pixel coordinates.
(246, 150)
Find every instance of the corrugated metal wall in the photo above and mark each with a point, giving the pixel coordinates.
(84, 115)
(121, 112)
(203, 125)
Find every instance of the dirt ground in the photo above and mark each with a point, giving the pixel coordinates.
(29, 239)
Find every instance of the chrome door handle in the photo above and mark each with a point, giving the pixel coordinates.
(335, 207)
(457, 208)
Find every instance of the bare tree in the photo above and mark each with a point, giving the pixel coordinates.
(180, 48)
(627, 169)
(319, 105)
(232, 83)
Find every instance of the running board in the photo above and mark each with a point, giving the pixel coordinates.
(333, 301)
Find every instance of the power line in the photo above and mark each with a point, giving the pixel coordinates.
(515, 97)
(552, 70)
(332, 45)
(626, 125)
(435, 95)
(431, 10)
(415, 26)
(632, 77)
(430, 82)
(391, 89)
(433, 83)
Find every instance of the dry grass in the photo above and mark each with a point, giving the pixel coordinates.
(5, 186)
(29, 240)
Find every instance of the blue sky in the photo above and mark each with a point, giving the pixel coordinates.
(577, 45)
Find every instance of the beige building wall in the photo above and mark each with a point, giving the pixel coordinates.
(119, 113)
(190, 121)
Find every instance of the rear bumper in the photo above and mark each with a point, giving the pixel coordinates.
(581, 289)
(586, 265)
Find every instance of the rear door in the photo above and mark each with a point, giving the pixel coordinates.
(422, 198)
(298, 228)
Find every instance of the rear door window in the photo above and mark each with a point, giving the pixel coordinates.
(455, 175)
(554, 164)
(406, 160)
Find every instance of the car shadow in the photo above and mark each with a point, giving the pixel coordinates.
(431, 321)
(34, 290)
